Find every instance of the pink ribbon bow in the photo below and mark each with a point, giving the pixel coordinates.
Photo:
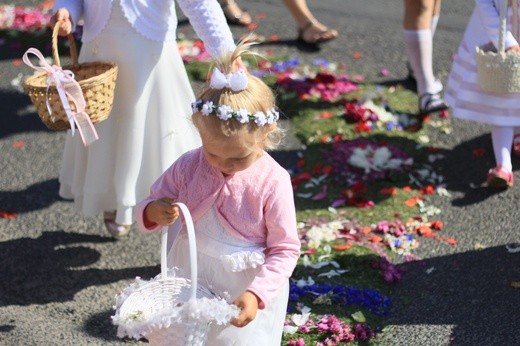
(66, 85)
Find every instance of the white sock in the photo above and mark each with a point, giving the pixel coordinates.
(502, 139)
(419, 48)
(124, 215)
(435, 21)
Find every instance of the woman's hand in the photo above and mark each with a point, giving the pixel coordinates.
(248, 304)
(161, 212)
(62, 15)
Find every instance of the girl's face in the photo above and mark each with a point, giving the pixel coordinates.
(230, 154)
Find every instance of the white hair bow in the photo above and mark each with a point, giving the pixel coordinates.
(235, 81)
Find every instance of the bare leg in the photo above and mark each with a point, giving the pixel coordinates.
(309, 28)
(419, 16)
(234, 14)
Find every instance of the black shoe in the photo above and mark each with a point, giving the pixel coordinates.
(429, 103)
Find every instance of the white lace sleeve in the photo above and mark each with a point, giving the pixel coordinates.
(208, 20)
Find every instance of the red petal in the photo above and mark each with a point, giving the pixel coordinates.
(7, 215)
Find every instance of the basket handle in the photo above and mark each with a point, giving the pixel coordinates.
(503, 23)
(72, 46)
(175, 229)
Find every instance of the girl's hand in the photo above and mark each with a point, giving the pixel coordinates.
(248, 303)
(513, 49)
(161, 212)
(63, 16)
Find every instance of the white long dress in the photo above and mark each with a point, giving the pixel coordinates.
(218, 254)
(463, 93)
(148, 128)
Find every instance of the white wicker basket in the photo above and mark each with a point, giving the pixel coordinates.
(170, 310)
(498, 71)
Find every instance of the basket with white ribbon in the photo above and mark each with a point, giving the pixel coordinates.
(171, 310)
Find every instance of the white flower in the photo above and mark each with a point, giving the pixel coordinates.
(242, 115)
(272, 116)
(195, 106)
(393, 164)
(381, 157)
(359, 159)
(290, 329)
(207, 108)
(260, 118)
(317, 234)
(224, 112)
(300, 319)
(302, 282)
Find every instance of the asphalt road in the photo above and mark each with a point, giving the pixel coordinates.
(60, 271)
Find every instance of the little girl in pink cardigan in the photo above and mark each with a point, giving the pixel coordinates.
(241, 201)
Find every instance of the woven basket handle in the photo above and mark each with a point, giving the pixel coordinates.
(72, 46)
(175, 229)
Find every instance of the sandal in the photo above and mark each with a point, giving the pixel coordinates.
(115, 229)
(429, 103)
(234, 15)
(500, 178)
(320, 33)
(516, 145)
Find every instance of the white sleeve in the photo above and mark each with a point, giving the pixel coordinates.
(209, 22)
(490, 18)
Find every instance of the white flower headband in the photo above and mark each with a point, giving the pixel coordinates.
(225, 112)
(235, 81)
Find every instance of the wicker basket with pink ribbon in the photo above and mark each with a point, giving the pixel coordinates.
(72, 96)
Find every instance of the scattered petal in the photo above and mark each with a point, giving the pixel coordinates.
(7, 215)
(18, 144)
(479, 152)
(384, 72)
(375, 239)
(343, 247)
(479, 246)
(359, 317)
(357, 55)
(411, 202)
(451, 241)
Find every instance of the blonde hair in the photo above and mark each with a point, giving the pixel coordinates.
(257, 97)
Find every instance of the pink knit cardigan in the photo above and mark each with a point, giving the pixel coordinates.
(255, 205)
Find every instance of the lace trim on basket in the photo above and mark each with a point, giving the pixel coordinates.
(145, 306)
(242, 260)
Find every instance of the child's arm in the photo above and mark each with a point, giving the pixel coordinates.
(248, 303)
(160, 212)
(282, 241)
(156, 210)
(490, 18)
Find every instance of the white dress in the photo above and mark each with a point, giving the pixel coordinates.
(218, 254)
(148, 129)
(463, 93)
